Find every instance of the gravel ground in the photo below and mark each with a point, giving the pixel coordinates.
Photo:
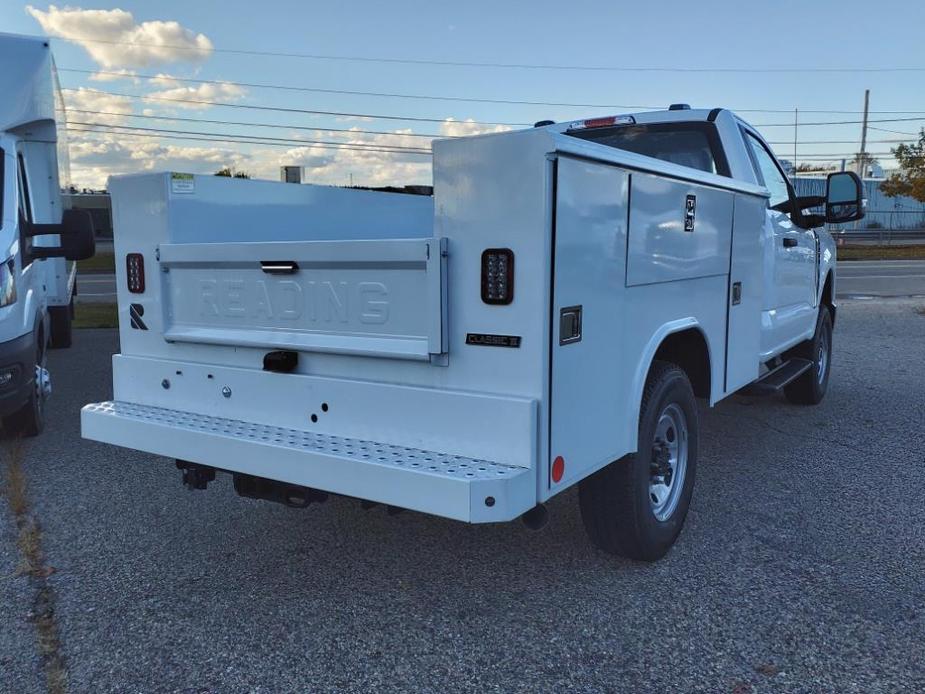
(801, 567)
(20, 669)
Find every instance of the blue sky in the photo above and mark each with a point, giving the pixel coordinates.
(724, 35)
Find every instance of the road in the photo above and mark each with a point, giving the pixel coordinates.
(801, 567)
(855, 278)
(879, 278)
(96, 288)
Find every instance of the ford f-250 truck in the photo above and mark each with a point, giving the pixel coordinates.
(37, 236)
(548, 318)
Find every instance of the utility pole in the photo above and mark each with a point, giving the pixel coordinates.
(862, 156)
(796, 113)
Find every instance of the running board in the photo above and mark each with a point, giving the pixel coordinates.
(778, 377)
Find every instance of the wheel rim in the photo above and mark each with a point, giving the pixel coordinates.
(822, 357)
(668, 465)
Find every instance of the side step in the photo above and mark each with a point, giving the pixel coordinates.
(778, 377)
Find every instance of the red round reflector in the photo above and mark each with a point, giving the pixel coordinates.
(558, 468)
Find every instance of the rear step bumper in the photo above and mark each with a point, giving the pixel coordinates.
(466, 489)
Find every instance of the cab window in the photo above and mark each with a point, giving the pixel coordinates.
(768, 171)
(688, 144)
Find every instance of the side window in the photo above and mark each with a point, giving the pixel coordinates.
(25, 204)
(774, 179)
(25, 211)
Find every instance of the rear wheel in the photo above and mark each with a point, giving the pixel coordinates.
(636, 506)
(810, 388)
(29, 420)
(61, 317)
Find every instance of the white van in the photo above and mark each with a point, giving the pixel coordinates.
(37, 237)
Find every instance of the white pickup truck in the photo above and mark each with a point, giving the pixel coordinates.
(547, 318)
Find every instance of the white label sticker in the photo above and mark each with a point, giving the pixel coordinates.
(182, 183)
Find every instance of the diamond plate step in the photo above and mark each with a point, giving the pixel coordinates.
(443, 484)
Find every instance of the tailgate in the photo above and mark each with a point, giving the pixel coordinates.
(383, 298)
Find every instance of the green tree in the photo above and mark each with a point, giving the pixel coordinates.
(229, 172)
(910, 179)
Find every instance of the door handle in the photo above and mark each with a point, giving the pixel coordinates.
(790, 242)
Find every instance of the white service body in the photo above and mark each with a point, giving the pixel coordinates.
(410, 390)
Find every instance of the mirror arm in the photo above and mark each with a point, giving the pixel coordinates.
(43, 252)
(32, 229)
(805, 202)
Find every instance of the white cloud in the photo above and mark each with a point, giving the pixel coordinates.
(96, 157)
(367, 165)
(462, 128)
(85, 99)
(114, 39)
(176, 95)
(114, 76)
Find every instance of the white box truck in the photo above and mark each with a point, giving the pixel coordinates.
(547, 318)
(37, 237)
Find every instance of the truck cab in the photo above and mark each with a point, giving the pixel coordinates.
(797, 253)
(37, 237)
(547, 318)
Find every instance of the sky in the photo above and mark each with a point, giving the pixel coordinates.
(122, 67)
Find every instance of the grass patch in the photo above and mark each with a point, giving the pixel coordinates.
(101, 262)
(881, 252)
(96, 316)
(32, 564)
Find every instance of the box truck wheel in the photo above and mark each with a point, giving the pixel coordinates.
(636, 506)
(809, 389)
(29, 420)
(61, 317)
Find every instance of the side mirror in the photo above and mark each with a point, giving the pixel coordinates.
(77, 239)
(844, 198)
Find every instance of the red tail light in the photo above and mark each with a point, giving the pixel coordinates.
(135, 272)
(498, 276)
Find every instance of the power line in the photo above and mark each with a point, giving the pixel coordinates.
(834, 142)
(426, 120)
(371, 147)
(896, 132)
(282, 109)
(518, 66)
(90, 131)
(428, 97)
(362, 145)
(256, 125)
(838, 122)
(432, 97)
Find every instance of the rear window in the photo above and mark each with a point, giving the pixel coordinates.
(688, 144)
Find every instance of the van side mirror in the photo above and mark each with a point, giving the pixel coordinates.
(844, 198)
(78, 241)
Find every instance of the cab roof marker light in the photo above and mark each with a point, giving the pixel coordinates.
(603, 122)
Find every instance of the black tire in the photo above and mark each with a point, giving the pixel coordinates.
(618, 512)
(29, 420)
(60, 318)
(810, 388)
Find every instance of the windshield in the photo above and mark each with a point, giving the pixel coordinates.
(688, 144)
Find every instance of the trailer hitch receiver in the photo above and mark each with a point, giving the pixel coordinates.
(196, 476)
